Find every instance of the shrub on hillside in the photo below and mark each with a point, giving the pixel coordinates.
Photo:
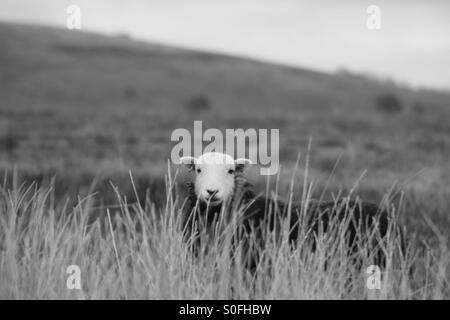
(199, 103)
(389, 103)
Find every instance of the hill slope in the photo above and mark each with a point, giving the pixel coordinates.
(76, 103)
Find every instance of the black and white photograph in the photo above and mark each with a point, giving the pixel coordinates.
(224, 150)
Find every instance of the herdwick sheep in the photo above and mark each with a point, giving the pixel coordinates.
(220, 188)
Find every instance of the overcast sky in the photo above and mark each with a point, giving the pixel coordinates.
(412, 46)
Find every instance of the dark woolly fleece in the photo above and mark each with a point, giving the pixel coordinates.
(258, 213)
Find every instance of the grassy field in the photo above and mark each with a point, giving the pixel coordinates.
(139, 253)
(78, 111)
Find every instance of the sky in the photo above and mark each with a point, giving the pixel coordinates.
(411, 47)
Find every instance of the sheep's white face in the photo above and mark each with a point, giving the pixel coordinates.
(215, 172)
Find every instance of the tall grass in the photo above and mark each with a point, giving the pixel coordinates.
(138, 252)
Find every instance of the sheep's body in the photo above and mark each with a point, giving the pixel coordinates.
(260, 214)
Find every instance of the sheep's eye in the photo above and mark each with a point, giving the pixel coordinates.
(199, 170)
(231, 171)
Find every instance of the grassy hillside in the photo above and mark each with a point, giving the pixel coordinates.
(85, 109)
(79, 105)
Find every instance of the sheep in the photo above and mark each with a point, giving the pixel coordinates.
(220, 189)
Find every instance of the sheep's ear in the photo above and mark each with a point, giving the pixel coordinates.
(188, 162)
(241, 164)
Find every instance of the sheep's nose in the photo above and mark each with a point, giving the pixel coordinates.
(211, 192)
